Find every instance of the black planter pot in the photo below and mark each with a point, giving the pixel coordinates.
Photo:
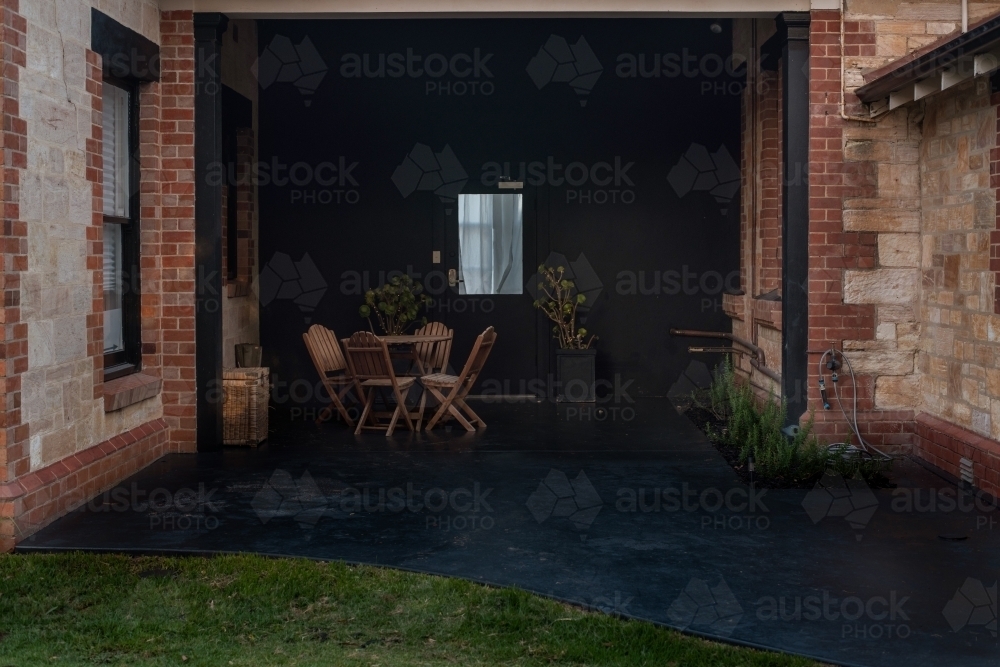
(576, 375)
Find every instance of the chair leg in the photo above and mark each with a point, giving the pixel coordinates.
(335, 397)
(392, 422)
(443, 408)
(461, 419)
(401, 407)
(423, 405)
(470, 413)
(364, 415)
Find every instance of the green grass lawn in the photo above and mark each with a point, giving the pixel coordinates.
(244, 610)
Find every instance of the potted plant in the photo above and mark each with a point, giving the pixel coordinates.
(575, 358)
(395, 305)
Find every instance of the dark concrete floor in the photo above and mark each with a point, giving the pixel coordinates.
(543, 500)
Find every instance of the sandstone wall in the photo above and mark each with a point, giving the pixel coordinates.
(58, 396)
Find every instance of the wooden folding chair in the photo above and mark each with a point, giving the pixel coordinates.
(370, 364)
(433, 357)
(324, 350)
(430, 358)
(458, 387)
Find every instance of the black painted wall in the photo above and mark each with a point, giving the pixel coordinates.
(663, 87)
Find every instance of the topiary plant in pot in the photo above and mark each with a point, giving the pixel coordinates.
(575, 358)
(395, 305)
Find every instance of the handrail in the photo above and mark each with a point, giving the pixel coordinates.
(756, 353)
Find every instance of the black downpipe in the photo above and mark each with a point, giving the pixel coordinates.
(794, 27)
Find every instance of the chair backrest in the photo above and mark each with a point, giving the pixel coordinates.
(477, 358)
(434, 356)
(368, 357)
(324, 350)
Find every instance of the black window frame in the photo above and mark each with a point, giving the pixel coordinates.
(129, 360)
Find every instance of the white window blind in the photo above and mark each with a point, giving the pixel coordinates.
(115, 152)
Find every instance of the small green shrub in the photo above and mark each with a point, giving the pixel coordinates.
(755, 431)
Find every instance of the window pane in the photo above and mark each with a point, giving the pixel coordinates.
(490, 244)
(113, 335)
(115, 150)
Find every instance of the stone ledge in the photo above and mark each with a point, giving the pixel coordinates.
(767, 311)
(732, 305)
(130, 389)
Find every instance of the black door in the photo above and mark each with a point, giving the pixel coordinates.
(514, 363)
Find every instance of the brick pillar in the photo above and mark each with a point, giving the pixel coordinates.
(95, 230)
(176, 199)
(14, 455)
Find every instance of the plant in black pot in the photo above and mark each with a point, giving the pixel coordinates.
(575, 358)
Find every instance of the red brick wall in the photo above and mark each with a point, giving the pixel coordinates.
(36, 499)
(945, 444)
(95, 231)
(14, 459)
(178, 280)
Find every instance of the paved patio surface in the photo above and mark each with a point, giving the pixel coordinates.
(560, 501)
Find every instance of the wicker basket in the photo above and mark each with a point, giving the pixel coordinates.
(244, 408)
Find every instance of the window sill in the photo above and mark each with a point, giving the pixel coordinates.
(130, 389)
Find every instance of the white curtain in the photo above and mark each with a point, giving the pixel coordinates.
(490, 245)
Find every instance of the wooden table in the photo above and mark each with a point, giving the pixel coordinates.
(414, 339)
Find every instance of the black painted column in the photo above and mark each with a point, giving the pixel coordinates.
(794, 28)
(208, 29)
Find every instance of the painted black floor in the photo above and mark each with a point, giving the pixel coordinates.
(560, 501)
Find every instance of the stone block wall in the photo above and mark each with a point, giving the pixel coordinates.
(59, 444)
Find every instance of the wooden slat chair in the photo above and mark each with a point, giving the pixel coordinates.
(324, 350)
(430, 358)
(370, 364)
(458, 387)
(433, 356)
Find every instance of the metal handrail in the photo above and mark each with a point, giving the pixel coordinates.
(757, 360)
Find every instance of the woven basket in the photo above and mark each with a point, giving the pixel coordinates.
(244, 407)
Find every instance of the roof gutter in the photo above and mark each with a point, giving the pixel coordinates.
(926, 71)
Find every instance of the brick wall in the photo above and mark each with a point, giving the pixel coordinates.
(58, 445)
(178, 279)
(14, 332)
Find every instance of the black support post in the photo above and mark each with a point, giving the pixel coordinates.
(794, 30)
(208, 30)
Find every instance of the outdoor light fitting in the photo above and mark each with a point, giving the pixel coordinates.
(510, 185)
